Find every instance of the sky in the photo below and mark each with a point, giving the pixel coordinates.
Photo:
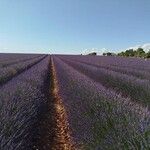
(73, 26)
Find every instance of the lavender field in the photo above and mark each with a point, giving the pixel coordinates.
(68, 102)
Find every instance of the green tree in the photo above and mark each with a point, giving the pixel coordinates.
(148, 54)
(130, 53)
(140, 52)
(121, 54)
(104, 54)
(93, 53)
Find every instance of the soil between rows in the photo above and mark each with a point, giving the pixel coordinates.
(52, 130)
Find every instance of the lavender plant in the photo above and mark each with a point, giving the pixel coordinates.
(21, 99)
(129, 86)
(99, 117)
(132, 63)
(10, 71)
(142, 74)
(18, 60)
(9, 59)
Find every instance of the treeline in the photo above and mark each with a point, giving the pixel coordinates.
(135, 53)
(130, 53)
(93, 53)
(127, 53)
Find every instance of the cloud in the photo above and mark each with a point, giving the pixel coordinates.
(145, 46)
(97, 50)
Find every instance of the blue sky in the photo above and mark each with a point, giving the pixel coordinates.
(71, 26)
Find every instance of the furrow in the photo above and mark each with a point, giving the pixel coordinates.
(62, 139)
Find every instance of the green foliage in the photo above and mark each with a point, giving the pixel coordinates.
(135, 53)
(93, 53)
(147, 55)
(140, 52)
(109, 54)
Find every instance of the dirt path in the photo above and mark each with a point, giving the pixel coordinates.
(62, 138)
(53, 128)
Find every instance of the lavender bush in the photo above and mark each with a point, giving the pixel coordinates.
(9, 56)
(106, 100)
(99, 117)
(21, 99)
(142, 74)
(132, 63)
(129, 86)
(9, 59)
(17, 61)
(7, 73)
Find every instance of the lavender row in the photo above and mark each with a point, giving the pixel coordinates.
(21, 99)
(9, 56)
(99, 118)
(6, 59)
(142, 74)
(121, 62)
(10, 71)
(128, 86)
(18, 60)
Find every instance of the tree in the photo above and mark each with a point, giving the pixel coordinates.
(93, 53)
(140, 52)
(121, 54)
(109, 54)
(131, 53)
(104, 54)
(127, 53)
(147, 54)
